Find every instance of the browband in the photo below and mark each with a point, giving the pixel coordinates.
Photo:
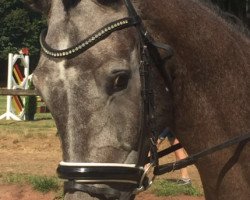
(90, 40)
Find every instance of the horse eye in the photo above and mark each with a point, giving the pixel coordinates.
(121, 82)
(118, 83)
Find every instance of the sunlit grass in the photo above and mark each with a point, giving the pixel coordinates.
(44, 184)
(27, 129)
(38, 116)
(15, 131)
(165, 187)
(40, 183)
(41, 128)
(2, 104)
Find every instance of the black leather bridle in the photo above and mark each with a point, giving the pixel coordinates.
(80, 174)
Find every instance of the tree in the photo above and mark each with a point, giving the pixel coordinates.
(19, 27)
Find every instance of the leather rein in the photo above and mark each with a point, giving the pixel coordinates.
(80, 174)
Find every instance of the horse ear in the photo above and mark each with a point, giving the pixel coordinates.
(41, 6)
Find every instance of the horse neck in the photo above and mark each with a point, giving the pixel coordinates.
(195, 30)
(211, 62)
(210, 69)
(211, 78)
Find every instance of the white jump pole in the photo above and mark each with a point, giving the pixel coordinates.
(11, 84)
(26, 71)
(25, 84)
(9, 114)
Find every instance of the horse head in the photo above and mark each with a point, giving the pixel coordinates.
(89, 76)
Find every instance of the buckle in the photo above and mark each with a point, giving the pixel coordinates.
(145, 184)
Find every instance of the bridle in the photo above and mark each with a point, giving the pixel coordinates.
(80, 174)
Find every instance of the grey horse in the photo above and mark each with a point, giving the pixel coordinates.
(95, 97)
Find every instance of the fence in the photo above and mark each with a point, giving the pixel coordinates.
(18, 92)
(17, 87)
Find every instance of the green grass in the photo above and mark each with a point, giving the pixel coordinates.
(38, 116)
(27, 129)
(2, 104)
(43, 125)
(40, 183)
(10, 178)
(44, 184)
(164, 187)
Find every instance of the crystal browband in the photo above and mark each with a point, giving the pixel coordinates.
(89, 41)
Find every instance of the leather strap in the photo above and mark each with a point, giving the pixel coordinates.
(166, 151)
(90, 41)
(193, 158)
(131, 10)
(100, 174)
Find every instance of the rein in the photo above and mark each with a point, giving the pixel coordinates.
(192, 159)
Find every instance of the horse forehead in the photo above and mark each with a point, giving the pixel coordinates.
(87, 13)
(75, 78)
(67, 28)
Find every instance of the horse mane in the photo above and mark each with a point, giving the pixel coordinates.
(209, 49)
(232, 20)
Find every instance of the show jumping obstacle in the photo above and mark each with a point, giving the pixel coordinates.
(17, 79)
